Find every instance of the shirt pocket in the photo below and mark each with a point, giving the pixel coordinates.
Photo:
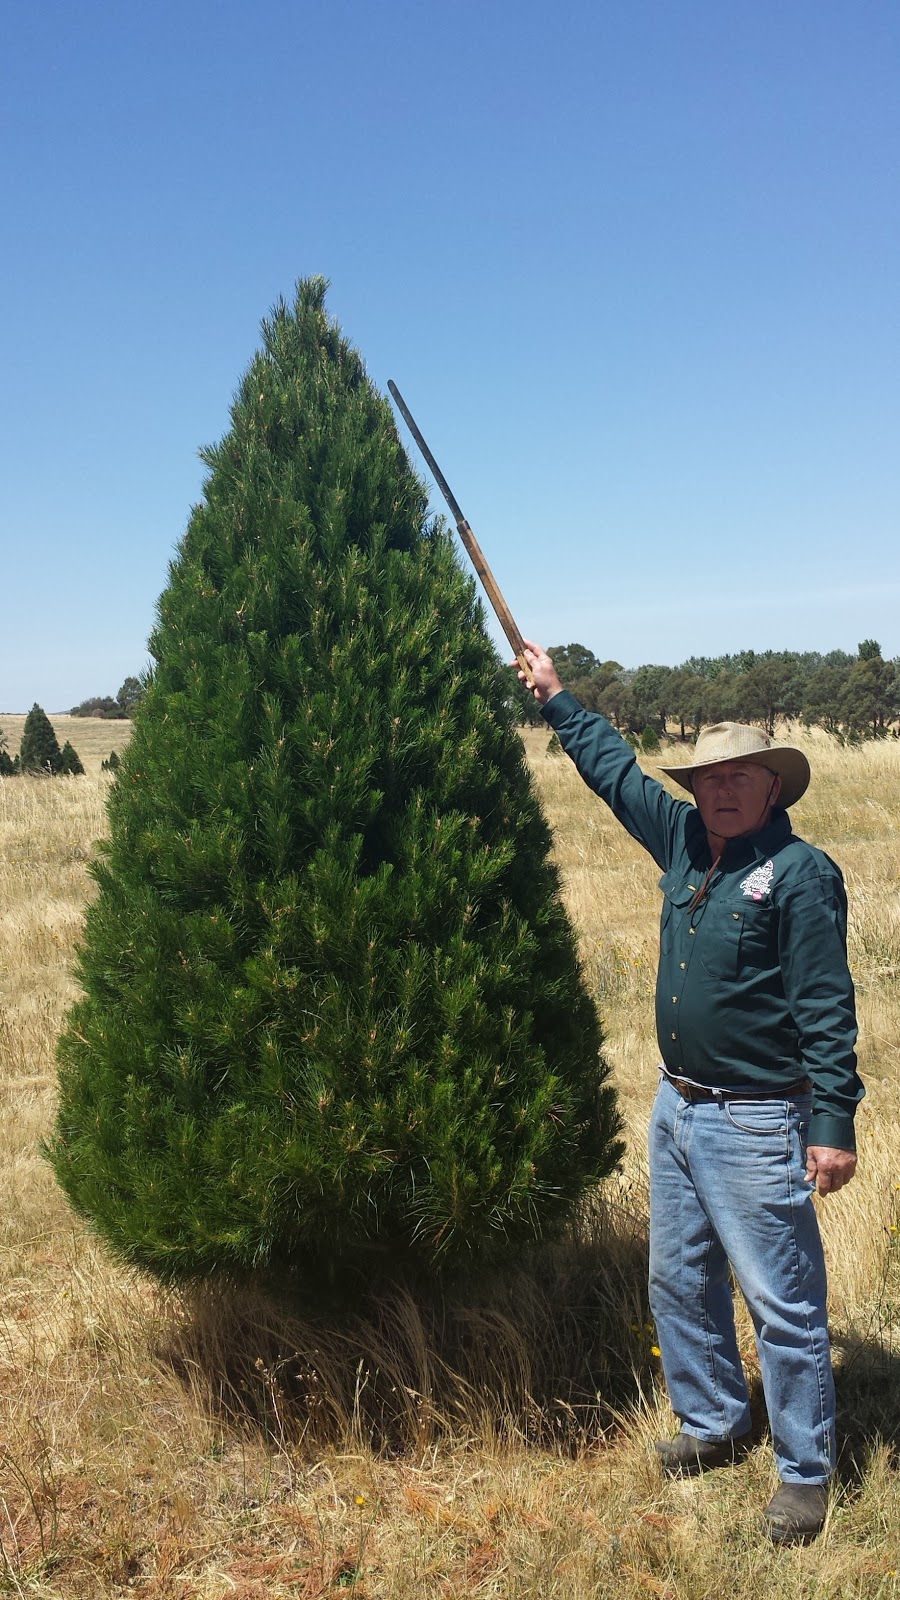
(677, 896)
(719, 935)
(758, 937)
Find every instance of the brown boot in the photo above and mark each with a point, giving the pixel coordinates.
(796, 1512)
(685, 1456)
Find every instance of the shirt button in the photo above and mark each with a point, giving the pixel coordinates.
(674, 999)
(674, 1036)
(692, 931)
(682, 965)
(736, 916)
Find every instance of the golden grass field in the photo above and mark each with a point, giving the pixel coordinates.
(197, 1448)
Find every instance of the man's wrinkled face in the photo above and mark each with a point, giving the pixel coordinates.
(734, 797)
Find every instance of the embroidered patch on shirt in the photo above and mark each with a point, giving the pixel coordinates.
(758, 882)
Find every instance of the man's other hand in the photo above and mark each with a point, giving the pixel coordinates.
(829, 1169)
(546, 678)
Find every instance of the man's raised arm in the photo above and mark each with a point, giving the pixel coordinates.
(606, 762)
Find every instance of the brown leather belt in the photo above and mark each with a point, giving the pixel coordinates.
(692, 1091)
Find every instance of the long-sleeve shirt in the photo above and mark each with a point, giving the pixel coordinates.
(753, 988)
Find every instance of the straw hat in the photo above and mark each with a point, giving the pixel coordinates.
(734, 741)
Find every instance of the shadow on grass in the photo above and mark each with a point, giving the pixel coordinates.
(552, 1350)
(868, 1401)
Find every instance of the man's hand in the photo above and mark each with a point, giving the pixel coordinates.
(829, 1169)
(546, 678)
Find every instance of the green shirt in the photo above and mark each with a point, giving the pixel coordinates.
(753, 988)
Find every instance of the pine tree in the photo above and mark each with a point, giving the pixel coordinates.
(39, 750)
(70, 762)
(333, 1019)
(8, 767)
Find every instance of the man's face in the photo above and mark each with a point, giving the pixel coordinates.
(733, 797)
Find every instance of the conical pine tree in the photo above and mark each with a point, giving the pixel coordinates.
(333, 1017)
(39, 751)
(70, 762)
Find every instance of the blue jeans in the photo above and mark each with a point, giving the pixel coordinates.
(727, 1184)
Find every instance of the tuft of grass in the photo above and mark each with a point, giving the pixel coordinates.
(551, 1352)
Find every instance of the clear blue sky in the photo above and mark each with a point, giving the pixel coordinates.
(635, 266)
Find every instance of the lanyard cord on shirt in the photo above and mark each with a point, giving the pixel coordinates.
(704, 887)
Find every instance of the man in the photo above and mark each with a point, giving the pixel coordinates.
(758, 1089)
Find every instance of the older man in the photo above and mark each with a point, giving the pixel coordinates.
(758, 1089)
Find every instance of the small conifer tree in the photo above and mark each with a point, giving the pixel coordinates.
(70, 761)
(8, 767)
(39, 751)
(111, 764)
(333, 1018)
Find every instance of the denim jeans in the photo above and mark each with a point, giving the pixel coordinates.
(727, 1185)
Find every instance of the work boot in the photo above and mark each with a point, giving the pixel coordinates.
(796, 1512)
(685, 1456)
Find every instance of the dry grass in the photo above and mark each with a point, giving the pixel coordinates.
(168, 1447)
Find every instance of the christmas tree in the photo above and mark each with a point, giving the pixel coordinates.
(333, 1019)
(70, 761)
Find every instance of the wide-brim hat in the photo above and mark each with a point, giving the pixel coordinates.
(735, 741)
